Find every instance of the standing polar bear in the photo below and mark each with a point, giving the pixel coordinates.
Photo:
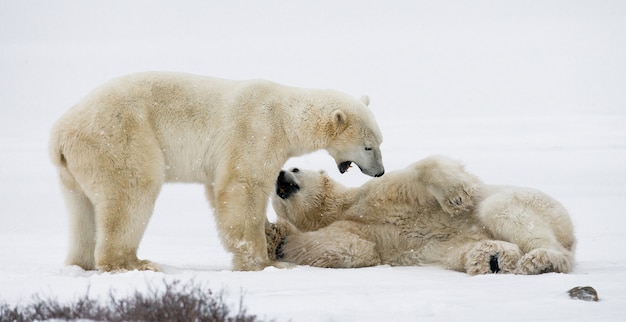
(116, 148)
(431, 213)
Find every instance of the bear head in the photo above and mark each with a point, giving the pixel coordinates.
(305, 198)
(355, 138)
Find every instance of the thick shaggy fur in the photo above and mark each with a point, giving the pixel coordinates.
(116, 148)
(431, 213)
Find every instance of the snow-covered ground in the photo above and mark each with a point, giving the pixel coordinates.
(523, 92)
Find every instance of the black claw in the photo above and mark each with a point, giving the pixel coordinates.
(279, 249)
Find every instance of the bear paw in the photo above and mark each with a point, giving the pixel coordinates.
(283, 265)
(139, 265)
(492, 257)
(446, 181)
(543, 260)
(275, 235)
(457, 199)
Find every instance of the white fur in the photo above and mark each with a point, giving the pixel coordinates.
(116, 147)
(431, 213)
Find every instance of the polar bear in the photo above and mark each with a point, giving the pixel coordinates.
(431, 213)
(117, 146)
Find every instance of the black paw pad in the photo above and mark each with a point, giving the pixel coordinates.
(493, 264)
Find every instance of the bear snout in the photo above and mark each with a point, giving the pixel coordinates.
(286, 185)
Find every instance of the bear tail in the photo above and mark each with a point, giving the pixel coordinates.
(55, 148)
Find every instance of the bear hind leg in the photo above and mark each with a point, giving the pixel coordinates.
(492, 256)
(82, 241)
(121, 220)
(544, 260)
(509, 217)
(330, 247)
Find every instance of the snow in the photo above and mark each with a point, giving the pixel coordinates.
(527, 93)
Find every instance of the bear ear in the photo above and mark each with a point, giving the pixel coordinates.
(338, 121)
(339, 118)
(366, 100)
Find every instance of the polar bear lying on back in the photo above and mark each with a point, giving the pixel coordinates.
(116, 148)
(431, 213)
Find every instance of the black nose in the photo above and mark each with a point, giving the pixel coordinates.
(379, 174)
(285, 188)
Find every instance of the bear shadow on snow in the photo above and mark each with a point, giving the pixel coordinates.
(430, 213)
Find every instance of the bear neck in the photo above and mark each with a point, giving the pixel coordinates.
(339, 201)
(330, 206)
(307, 125)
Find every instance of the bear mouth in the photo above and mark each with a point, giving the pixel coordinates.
(285, 186)
(344, 166)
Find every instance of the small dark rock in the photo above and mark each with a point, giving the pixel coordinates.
(585, 293)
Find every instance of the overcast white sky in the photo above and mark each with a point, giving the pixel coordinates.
(442, 57)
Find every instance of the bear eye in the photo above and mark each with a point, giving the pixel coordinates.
(368, 149)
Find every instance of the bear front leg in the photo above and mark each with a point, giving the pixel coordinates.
(446, 180)
(275, 235)
(334, 246)
(240, 214)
